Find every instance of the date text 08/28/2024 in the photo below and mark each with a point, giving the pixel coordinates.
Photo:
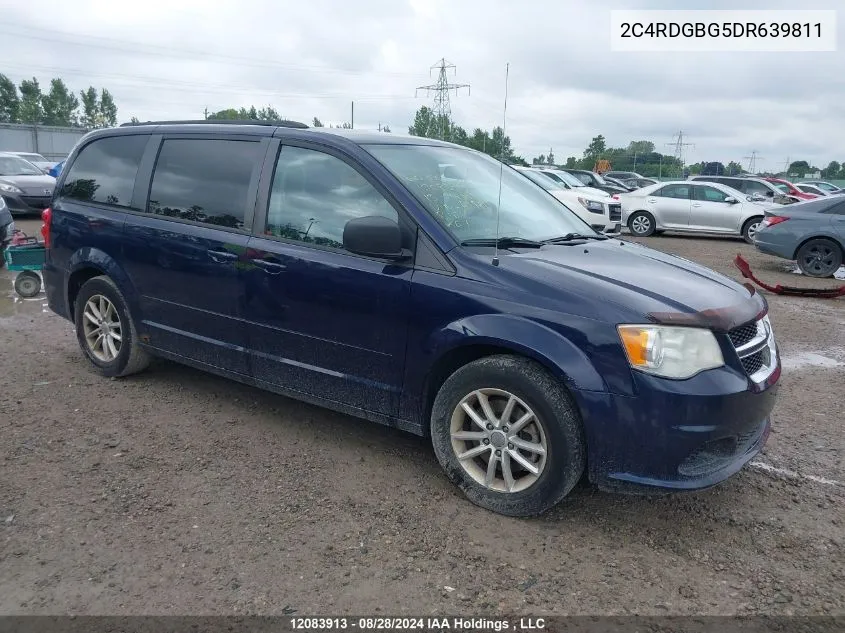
(416, 624)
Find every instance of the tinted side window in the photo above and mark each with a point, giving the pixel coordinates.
(752, 186)
(314, 195)
(204, 180)
(709, 194)
(674, 191)
(105, 170)
(583, 178)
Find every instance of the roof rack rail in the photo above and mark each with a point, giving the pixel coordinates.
(283, 123)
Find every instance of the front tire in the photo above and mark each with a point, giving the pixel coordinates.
(750, 228)
(105, 330)
(819, 258)
(508, 435)
(642, 224)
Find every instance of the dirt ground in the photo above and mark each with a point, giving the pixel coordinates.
(176, 492)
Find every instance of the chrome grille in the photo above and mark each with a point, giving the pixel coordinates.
(755, 346)
(744, 333)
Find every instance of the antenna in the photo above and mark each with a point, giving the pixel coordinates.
(501, 166)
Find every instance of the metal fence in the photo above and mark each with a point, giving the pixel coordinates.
(53, 143)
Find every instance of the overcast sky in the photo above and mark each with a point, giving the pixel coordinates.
(171, 59)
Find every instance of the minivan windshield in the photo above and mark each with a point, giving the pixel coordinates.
(549, 184)
(465, 203)
(14, 166)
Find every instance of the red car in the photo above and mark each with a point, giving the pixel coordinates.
(791, 190)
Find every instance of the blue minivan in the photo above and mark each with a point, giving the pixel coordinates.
(349, 270)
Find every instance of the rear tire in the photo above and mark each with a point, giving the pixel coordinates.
(750, 228)
(819, 257)
(530, 423)
(105, 330)
(641, 223)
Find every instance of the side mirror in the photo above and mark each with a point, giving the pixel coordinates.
(770, 193)
(731, 200)
(374, 236)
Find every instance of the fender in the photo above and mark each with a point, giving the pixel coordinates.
(95, 258)
(523, 336)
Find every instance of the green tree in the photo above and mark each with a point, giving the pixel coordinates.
(550, 159)
(90, 107)
(540, 160)
(230, 114)
(596, 148)
(31, 110)
(640, 147)
(386, 128)
(10, 102)
(269, 113)
(571, 163)
(134, 119)
(799, 167)
(60, 105)
(733, 168)
(317, 122)
(832, 170)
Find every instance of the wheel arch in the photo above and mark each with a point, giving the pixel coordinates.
(478, 337)
(88, 263)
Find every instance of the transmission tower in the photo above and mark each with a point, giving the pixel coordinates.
(752, 161)
(679, 146)
(786, 166)
(442, 107)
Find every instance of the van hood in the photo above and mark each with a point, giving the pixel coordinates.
(641, 283)
(42, 185)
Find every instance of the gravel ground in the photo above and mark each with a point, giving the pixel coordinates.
(176, 492)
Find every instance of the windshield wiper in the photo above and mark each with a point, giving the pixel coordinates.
(504, 242)
(571, 237)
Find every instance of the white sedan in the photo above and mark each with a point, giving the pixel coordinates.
(691, 206)
(595, 207)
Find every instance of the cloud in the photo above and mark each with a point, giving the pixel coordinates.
(315, 58)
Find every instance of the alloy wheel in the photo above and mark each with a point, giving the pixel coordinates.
(102, 328)
(498, 440)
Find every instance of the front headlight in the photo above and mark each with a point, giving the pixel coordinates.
(9, 188)
(670, 352)
(592, 206)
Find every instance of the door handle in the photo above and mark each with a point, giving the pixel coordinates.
(696, 205)
(221, 256)
(269, 266)
(651, 200)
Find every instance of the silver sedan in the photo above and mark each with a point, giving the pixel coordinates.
(689, 206)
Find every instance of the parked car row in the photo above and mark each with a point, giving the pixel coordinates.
(804, 222)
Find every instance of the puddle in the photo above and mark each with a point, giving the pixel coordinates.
(802, 360)
(12, 304)
(792, 267)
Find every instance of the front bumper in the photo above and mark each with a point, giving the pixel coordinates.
(677, 435)
(20, 204)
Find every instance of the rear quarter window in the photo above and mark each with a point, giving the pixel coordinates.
(104, 171)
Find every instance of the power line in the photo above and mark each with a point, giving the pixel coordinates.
(199, 87)
(170, 52)
(441, 88)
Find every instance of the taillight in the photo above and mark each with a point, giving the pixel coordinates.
(615, 196)
(774, 219)
(46, 218)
